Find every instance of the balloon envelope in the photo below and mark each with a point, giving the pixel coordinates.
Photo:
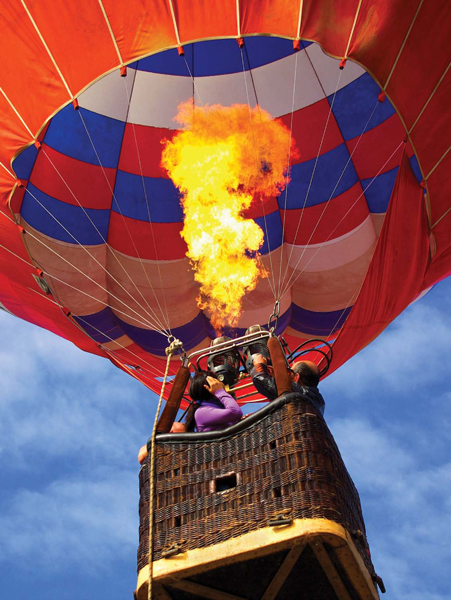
(101, 220)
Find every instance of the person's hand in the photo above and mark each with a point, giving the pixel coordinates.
(213, 385)
(258, 359)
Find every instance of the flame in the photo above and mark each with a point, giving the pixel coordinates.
(221, 160)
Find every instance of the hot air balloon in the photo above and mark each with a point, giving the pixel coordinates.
(91, 222)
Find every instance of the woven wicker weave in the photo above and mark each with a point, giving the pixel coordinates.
(286, 463)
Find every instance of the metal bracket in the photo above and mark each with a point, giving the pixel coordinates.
(171, 551)
(280, 520)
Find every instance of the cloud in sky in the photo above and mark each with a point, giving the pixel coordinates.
(389, 409)
(70, 428)
(75, 519)
(68, 401)
(406, 506)
(414, 350)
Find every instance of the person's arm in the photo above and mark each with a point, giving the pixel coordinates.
(230, 405)
(210, 416)
(263, 382)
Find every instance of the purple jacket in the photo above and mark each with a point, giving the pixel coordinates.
(217, 413)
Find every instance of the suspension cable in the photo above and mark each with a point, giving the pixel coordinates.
(279, 294)
(174, 344)
(152, 313)
(327, 203)
(314, 166)
(346, 214)
(273, 284)
(166, 313)
(143, 319)
(158, 373)
(114, 198)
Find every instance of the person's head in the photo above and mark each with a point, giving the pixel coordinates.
(197, 389)
(306, 373)
(198, 393)
(142, 455)
(178, 427)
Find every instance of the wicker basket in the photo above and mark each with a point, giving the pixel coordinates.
(280, 463)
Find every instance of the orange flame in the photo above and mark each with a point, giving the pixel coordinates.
(220, 161)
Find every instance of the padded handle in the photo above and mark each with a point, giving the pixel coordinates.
(279, 363)
(169, 413)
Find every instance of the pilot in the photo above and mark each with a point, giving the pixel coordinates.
(305, 378)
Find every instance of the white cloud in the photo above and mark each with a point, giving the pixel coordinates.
(86, 523)
(406, 505)
(57, 400)
(412, 352)
(70, 428)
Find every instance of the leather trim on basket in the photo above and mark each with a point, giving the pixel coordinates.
(206, 436)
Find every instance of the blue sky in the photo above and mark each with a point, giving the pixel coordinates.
(71, 425)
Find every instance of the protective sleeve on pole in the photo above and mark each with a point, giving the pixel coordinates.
(279, 363)
(173, 404)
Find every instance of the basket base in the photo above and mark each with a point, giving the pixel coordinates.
(311, 559)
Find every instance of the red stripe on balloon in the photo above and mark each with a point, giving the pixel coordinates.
(376, 146)
(330, 226)
(141, 150)
(73, 181)
(309, 124)
(150, 241)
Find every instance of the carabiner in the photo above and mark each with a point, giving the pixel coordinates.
(274, 317)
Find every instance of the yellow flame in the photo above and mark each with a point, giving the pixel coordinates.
(222, 159)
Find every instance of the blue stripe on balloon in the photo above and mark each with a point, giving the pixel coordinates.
(163, 198)
(273, 229)
(379, 191)
(353, 106)
(327, 173)
(102, 326)
(416, 168)
(317, 323)
(191, 334)
(67, 134)
(105, 326)
(23, 164)
(73, 218)
(218, 57)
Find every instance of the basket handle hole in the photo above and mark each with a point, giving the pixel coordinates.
(222, 484)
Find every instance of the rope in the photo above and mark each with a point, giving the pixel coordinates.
(314, 166)
(344, 216)
(173, 346)
(157, 372)
(144, 320)
(7, 170)
(19, 116)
